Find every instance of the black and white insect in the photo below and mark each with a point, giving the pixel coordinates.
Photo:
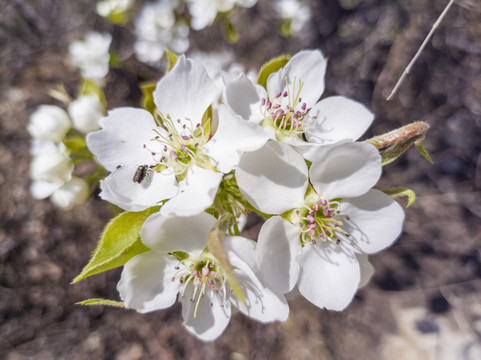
(140, 174)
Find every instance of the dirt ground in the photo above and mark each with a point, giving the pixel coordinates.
(424, 301)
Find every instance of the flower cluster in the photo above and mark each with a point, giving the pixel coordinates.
(189, 168)
(57, 144)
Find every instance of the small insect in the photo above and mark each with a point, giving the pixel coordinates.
(140, 174)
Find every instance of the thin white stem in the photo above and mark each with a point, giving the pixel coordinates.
(421, 48)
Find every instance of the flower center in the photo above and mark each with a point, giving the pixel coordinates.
(322, 221)
(203, 273)
(176, 144)
(286, 113)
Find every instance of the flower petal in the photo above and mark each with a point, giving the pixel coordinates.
(367, 270)
(185, 92)
(338, 118)
(145, 284)
(375, 221)
(173, 233)
(329, 277)
(261, 303)
(345, 170)
(210, 319)
(233, 137)
(274, 178)
(197, 192)
(120, 189)
(42, 189)
(277, 248)
(244, 97)
(309, 67)
(120, 142)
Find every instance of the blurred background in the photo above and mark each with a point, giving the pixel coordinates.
(424, 300)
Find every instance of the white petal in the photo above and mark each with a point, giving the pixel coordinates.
(367, 270)
(197, 192)
(146, 282)
(277, 248)
(174, 233)
(338, 118)
(233, 137)
(274, 178)
(42, 189)
(209, 321)
(244, 97)
(244, 248)
(345, 170)
(120, 189)
(122, 138)
(261, 303)
(329, 277)
(185, 92)
(308, 66)
(375, 221)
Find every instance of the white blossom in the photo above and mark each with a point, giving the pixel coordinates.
(91, 55)
(330, 215)
(290, 108)
(85, 112)
(50, 168)
(204, 12)
(180, 160)
(49, 123)
(74, 192)
(157, 30)
(179, 266)
(297, 12)
(108, 8)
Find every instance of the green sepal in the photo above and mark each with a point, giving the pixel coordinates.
(271, 66)
(90, 87)
(286, 28)
(147, 101)
(114, 60)
(171, 60)
(401, 191)
(229, 31)
(119, 242)
(97, 301)
(75, 143)
(423, 151)
(217, 249)
(59, 93)
(118, 17)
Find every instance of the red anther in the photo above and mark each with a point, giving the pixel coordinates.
(278, 95)
(285, 94)
(263, 101)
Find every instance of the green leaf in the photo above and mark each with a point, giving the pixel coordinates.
(401, 191)
(271, 66)
(90, 87)
(147, 101)
(172, 58)
(286, 28)
(229, 31)
(102, 302)
(119, 243)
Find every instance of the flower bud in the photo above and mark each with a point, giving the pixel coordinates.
(72, 193)
(51, 166)
(85, 112)
(49, 123)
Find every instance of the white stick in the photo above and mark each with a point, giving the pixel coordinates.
(423, 45)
